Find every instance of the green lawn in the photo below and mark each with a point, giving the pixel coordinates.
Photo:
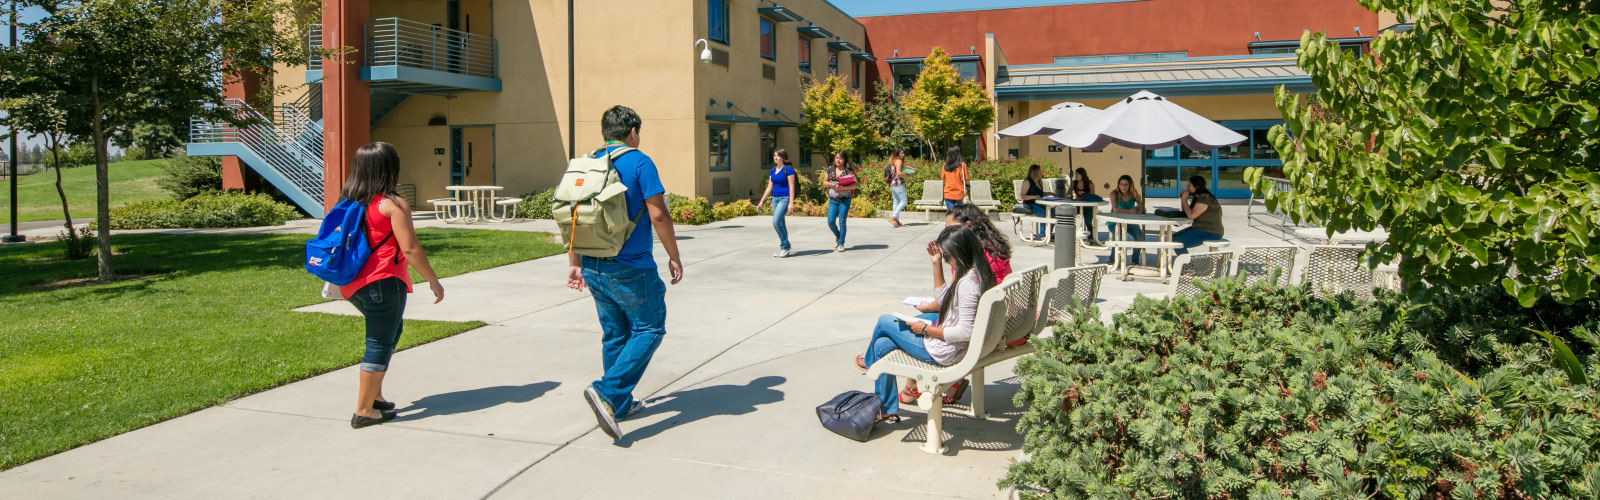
(82, 363)
(131, 181)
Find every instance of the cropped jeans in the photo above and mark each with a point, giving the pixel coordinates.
(382, 303)
(780, 210)
(891, 334)
(899, 194)
(840, 210)
(633, 317)
(1191, 237)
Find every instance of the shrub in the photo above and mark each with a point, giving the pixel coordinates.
(77, 245)
(188, 176)
(537, 205)
(211, 209)
(1268, 393)
(736, 208)
(691, 211)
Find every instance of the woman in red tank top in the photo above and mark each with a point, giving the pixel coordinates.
(379, 290)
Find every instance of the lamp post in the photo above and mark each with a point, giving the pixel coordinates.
(13, 237)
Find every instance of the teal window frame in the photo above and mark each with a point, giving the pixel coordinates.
(726, 151)
(717, 28)
(1171, 158)
(769, 39)
(804, 51)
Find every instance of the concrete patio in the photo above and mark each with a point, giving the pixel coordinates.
(754, 344)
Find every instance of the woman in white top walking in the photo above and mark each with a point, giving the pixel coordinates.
(946, 341)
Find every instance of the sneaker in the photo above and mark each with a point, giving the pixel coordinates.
(636, 407)
(603, 413)
(781, 254)
(839, 248)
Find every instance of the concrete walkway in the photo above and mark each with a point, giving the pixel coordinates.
(754, 344)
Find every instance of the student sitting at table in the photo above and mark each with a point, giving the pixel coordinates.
(1126, 200)
(1202, 208)
(1083, 190)
(1032, 193)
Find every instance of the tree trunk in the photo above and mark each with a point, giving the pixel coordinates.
(55, 153)
(102, 177)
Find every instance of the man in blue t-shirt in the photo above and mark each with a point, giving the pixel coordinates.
(627, 290)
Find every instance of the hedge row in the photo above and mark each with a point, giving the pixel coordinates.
(206, 210)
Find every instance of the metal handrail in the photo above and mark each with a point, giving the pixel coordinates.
(314, 40)
(285, 152)
(403, 42)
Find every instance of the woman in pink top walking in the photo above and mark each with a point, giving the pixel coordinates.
(379, 290)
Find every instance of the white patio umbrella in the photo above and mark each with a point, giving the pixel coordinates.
(1146, 120)
(1059, 117)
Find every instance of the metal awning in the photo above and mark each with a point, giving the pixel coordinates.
(1224, 75)
(844, 46)
(814, 32)
(780, 14)
(863, 56)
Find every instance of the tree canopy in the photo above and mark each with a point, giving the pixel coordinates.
(1472, 139)
(835, 118)
(945, 107)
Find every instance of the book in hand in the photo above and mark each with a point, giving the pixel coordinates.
(908, 319)
(916, 301)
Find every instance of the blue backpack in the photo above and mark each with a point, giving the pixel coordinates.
(340, 249)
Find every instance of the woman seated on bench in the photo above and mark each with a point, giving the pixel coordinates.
(944, 342)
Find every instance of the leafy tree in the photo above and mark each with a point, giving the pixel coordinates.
(887, 116)
(835, 118)
(42, 113)
(1472, 140)
(943, 106)
(123, 63)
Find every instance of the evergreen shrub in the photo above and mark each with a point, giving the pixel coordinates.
(1268, 393)
(211, 209)
(537, 205)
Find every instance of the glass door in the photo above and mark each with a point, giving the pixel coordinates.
(1167, 170)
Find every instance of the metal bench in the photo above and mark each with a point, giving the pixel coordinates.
(1192, 269)
(932, 198)
(1163, 248)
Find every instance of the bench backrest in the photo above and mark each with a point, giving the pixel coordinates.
(1062, 288)
(1022, 305)
(1333, 269)
(1192, 269)
(982, 190)
(932, 191)
(988, 325)
(1257, 263)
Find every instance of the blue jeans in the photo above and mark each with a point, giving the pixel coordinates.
(780, 209)
(1088, 213)
(1135, 233)
(899, 194)
(838, 209)
(1191, 237)
(633, 316)
(891, 334)
(382, 303)
(950, 204)
(1039, 211)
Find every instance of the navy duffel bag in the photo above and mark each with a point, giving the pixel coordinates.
(851, 414)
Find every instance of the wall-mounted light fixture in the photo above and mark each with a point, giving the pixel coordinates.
(897, 52)
(705, 53)
(972, 48)
(1258, 36)
(1011, 112)
(1358, 31)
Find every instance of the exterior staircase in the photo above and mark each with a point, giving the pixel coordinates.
(285, 148)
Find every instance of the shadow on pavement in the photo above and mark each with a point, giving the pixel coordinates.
(468, 401)
(808, 253)
(696, 404)
(868, 247)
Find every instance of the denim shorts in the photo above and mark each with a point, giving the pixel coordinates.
(382, 303)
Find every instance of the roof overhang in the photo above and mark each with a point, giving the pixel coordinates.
(1212, 76)
(863, 56)
(780, 14)
(814, 32)
(844, 46)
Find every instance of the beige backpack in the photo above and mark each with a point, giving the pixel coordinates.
(591, 208)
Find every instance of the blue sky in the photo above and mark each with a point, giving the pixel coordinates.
(862, 8)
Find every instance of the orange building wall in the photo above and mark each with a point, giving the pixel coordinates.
(1037, 35)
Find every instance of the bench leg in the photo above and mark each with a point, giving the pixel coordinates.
(978, 410)
(935, 428)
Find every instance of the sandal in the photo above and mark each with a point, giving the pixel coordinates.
(889, 419)
(861, 362)
(913, 394)
(960, 389)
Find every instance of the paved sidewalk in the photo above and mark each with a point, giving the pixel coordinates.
(753, 345)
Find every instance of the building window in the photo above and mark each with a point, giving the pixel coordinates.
(769, 40)
(855, 76)
(905, 74)
(805, 152)
(717, 20)
(805, 54)
(967, 69)
(721, 148)
(833, 62)
(769, 144)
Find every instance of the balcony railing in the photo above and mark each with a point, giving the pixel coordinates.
(411, 44)
(314, 40)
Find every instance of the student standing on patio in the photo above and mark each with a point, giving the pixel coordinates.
(780, 184)
(841, 183)
(955, 178)
(1202, 208)
(380, 288)
(627, 290)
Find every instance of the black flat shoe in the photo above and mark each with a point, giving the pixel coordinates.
(382, 405)
(358, 421)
